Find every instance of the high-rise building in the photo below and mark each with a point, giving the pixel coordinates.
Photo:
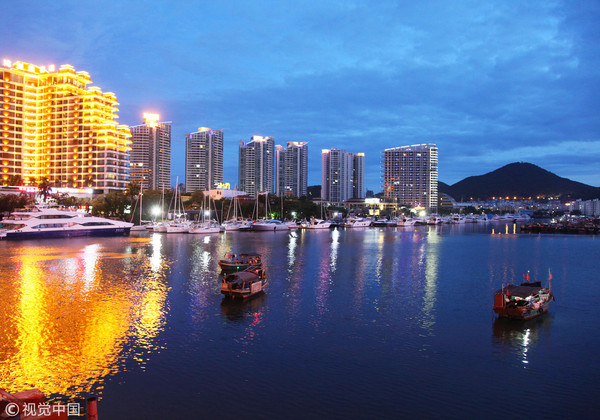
(292, 169)
(151, 153)
(203, 159)
(56, 127)
(358, 176)
(410, 175)
(342, 175)
(256, 165)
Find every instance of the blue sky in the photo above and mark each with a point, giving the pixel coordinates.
(490, 82)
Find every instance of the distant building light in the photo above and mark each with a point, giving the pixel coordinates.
(151, 119)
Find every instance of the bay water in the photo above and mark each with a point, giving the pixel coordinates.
(364, 323)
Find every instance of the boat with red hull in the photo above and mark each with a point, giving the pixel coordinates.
(523, 302)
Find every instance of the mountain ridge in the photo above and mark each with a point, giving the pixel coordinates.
(518, 179)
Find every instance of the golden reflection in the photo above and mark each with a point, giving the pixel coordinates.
(71, 316)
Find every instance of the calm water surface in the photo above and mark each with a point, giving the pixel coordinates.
(368, 323)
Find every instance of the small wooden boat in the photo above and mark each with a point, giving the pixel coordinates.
(523, 302)
(244, 284)
(233, 263)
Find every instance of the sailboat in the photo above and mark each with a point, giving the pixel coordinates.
(206, 225)
(269, 225)
(179, 224)
(234, 223)
(141, 227)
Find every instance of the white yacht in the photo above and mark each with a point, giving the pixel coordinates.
(270, 225)
(51, 222)
(355, 222)
(405, 221)
(318, 224)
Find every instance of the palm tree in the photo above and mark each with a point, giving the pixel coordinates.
(14, 180)
(44, 187)
(133, 190)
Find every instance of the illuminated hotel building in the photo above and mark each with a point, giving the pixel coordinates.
(342, 175)
(292, 169)
(151, 153)
(410, 175)
(256, 165)
(203, 159)
(56, 127)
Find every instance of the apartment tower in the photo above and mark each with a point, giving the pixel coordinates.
(342, 175)
(55, 126)
(151, 153)
(256, 165)
(410, 175)
(292, 169)
(203, 159)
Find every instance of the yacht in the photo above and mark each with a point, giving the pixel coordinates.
(354, 222)
(270, 225)
(318, 224)
(405, 221)
(52, 222)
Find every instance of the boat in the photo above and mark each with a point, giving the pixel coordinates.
(43, 221)
(204, 228)
(357, 222)
(244, 284)
(318, 224)
(434, 219)
(392, 222)
(405, 221)
(179, 224)
(458, 219)
(523, 302)
(144, 225)
(270, 225)
(379, 223)
(264, 224)
(232, 263)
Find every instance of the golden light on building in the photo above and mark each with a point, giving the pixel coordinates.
(151, 119)
(48, 112)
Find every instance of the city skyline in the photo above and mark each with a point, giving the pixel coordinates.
(490, 83)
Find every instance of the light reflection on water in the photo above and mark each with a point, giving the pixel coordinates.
(72, 312)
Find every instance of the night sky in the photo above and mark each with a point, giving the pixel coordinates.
(490, 82)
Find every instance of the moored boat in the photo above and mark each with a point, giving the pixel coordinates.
(232, 262)
(244, 284)
(270, 225)
(318, 224)
(51, 222)
(523, 302)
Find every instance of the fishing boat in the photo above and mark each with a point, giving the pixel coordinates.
(232, 263)
(523, 302)
(43, 221)
(244, 284)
